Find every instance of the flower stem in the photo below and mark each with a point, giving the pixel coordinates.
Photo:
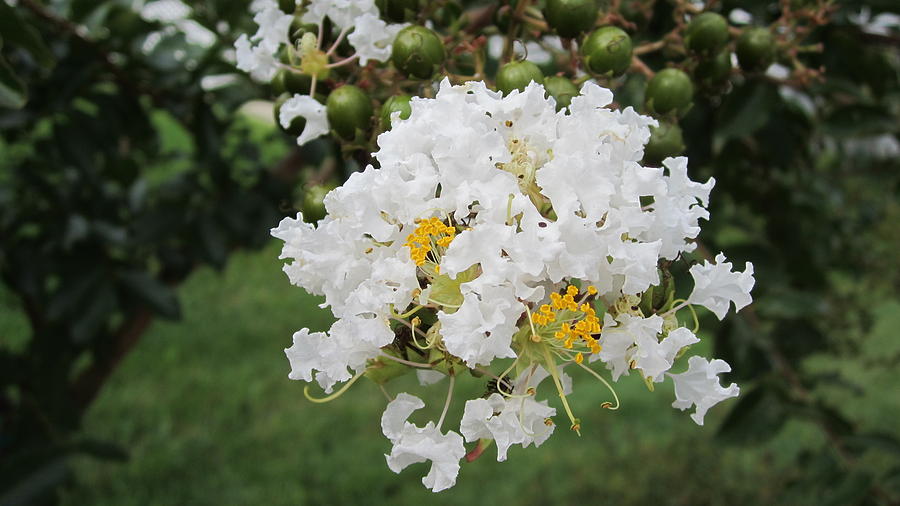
(322, 400)
(551, 366)
(447, 402)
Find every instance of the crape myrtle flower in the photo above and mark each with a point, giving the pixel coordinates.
(370, 37)
(501, 239)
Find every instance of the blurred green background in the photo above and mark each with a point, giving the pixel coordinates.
(143, 310)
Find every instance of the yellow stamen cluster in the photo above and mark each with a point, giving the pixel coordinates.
(585, 321)
(428, 235)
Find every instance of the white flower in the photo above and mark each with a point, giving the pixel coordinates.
(311, 111)
(508, 421)
(258, 58)
(482, 328)
(348, 345)
(716, 286)
(699, 386)
(654, 357)
(619, 340)
(412, 444)
(373, 38)
(502, 219)
(342, 13)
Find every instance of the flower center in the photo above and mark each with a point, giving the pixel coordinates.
(428, 242)
(572, 324)
(524, 164)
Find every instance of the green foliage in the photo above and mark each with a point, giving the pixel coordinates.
(121, 171)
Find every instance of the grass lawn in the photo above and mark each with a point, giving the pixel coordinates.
(209, 416)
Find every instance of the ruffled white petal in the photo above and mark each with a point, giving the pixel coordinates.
(716, 286)
(412, 444)
(308, 108)
(699, 386)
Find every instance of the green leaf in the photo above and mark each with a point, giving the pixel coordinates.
(860, 120)
(446, 291)
(152, 292)
(745, 111)
(18, 32)
(13, 94)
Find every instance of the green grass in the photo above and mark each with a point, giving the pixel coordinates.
(207, 412)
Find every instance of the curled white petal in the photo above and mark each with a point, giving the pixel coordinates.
(699, 386)
(308, 108)
(716, 286)
(372, 38)
(412, 444)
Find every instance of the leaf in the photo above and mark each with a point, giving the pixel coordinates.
(152, 292)
(860, 120)
(446, 291)
(745, 110)
(18, 32)
(100, 305)
(873, 440)
(12, 90)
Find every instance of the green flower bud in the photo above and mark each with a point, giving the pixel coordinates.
(397, 103)
(755, 49)
(314, 202)
(298, 28)
(297, 125)
(349, 110)
(561, 89)
(516, 76)
(670, 91)
(707, 33)
(571, 17)
(607, 51)
(417, 51)
(398, 11)
(665, 141)
(714, 72)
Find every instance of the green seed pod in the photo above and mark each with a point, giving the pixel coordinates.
(417, 51)
(755, 49)
(297, 125)
(707, 33)
(607, 51)
(571, 17)
(561, 89)
(670, 91)
(665, 140)
(516, 76)
(397, 103)
(314, 202)
(349, 110)
(398, 11)
(713, 72)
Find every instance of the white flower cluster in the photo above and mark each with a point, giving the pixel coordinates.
(498, 233)
(371, 37)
